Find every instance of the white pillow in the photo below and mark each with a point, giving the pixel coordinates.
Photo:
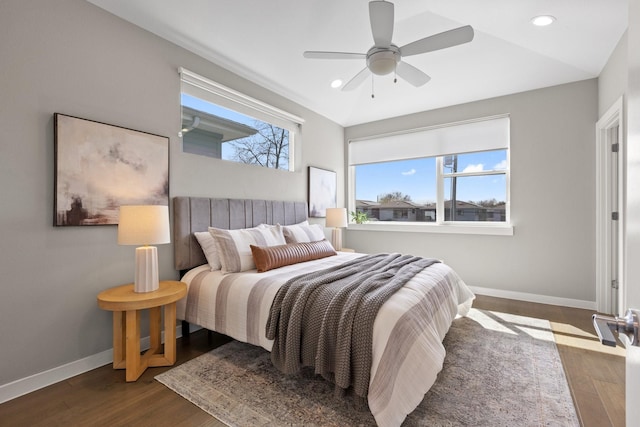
(208, 245)
(303, 232)
(234, 246)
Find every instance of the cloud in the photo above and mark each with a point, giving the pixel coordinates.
(501, 166)
(474, 168)
(409, 172)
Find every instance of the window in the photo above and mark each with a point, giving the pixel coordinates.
(222, 123)
(475, 186)
(455, 175)
(389, 191)
(401, 214)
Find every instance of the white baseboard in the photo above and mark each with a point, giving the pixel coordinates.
(542, 299)
(43, 379)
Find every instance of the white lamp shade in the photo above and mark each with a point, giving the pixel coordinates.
(143, 225)
(336, 217)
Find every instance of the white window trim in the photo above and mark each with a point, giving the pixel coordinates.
(216, 88)
(458, 227)
(505, 228)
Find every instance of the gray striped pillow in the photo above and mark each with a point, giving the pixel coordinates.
(303, 232)
(234, 246)
(208, 245)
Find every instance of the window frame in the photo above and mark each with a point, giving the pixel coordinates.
(441, 175)
(208, 90)
(505, 228)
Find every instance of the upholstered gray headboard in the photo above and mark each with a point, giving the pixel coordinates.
(191, 214)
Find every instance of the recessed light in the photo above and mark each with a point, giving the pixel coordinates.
(336, 83)
(543, 20)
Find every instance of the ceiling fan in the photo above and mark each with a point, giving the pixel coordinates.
(385, 57)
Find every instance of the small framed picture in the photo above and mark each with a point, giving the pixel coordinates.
(322, 191)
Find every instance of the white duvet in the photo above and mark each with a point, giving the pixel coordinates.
(407, 333)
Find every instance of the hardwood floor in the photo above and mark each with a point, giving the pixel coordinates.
(101, 397)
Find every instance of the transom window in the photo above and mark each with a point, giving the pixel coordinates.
(221, 123)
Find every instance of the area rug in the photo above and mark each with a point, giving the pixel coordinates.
(500, 370)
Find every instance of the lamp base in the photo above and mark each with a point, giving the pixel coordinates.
(146, 269)
(336, 239)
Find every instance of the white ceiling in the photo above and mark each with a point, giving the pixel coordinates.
(263, 41)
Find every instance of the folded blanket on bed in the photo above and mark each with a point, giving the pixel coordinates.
(325, 319)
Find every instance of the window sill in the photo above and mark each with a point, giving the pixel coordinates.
(491, 229)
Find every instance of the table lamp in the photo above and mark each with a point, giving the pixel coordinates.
(144, 225)
(336, 218)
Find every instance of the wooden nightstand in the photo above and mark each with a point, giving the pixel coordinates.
(126, 305)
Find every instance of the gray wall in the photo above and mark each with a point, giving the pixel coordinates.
(614, 78)
(71, 57)
(552, 153)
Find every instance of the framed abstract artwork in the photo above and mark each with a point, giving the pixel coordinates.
(323, 192)
(99, 167)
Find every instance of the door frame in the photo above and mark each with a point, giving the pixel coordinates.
(604, 268)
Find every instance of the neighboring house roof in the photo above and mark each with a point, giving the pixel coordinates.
(394, 204)
(462, 205)
(210, 123)
(367, 203)
(399, 204)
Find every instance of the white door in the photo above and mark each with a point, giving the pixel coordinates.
(631, 291)
(609, 214)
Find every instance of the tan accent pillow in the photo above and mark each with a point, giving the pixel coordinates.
(269, 257)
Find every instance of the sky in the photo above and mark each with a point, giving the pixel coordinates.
(207, 107)
(417, 178)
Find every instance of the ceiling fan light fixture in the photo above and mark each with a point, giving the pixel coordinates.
(383, 62)
(543, 20)
(384, 57)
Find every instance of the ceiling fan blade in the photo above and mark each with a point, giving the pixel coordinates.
(381, 17)
(439, 41)
(311, 54)
(357, 80)
(411, 74)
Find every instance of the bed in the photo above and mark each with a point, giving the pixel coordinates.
(406, 344)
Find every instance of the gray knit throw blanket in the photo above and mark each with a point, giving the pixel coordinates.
(324, 319)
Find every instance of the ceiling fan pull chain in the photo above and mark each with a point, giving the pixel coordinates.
(372, 91)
